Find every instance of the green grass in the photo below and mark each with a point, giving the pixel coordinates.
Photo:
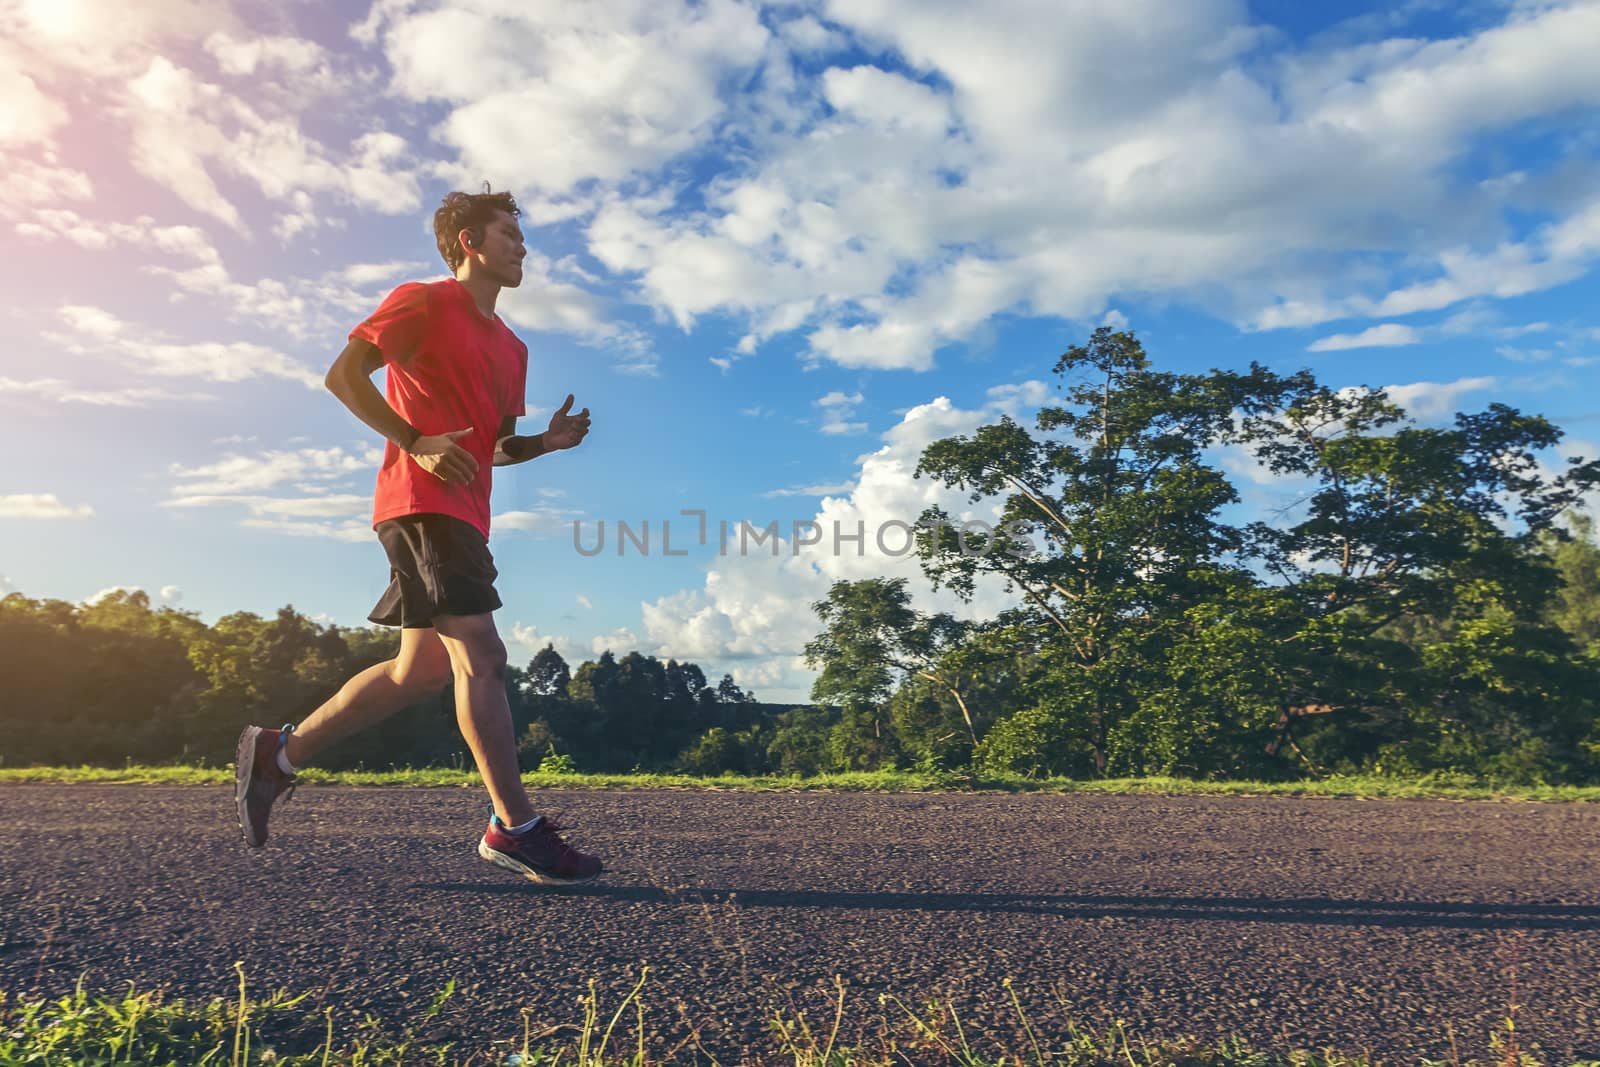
(1446, 787)
(145, 1027)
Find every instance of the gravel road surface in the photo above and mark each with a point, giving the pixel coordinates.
(1295, 923)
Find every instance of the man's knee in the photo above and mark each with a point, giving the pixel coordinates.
(475, 647)
(488, 663)
(486, 660)
(424, 672)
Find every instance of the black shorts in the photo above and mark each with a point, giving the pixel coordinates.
(438, 565)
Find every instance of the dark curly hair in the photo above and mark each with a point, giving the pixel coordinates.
(467, 211)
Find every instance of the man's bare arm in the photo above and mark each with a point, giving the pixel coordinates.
(350, 379)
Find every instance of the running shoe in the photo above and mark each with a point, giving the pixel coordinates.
(538, 853)
(258, 781)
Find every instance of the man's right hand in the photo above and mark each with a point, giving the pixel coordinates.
(447, 461)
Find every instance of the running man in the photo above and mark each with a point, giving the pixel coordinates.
(456, 378)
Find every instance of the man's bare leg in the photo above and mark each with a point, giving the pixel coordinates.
(421, 669)
(482, 712)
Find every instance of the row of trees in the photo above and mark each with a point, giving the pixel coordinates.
(1427, 602)
(119, 680)
(1430, 601)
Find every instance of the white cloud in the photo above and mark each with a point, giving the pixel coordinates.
(754, 609)
(335, 516)
(58, 391)
(41, 506)
(359, 274)
(355, 531)
(236, 474)
(525, 641)
(95, 598)
(890, 213)
(1429, 401)
(836, 426)
(184, 127)
(541, 520)
(837, 408)
(821, 489)
(585, 602)
(6, 587)
(292, 55)
(1385, 335)
(171, 594)
(309, 492)
(308, 507)
(1524, 355)
(27, 184)
(619, 641)
(109, 39)
(545, 301)
(101, 333)
(187, 241)
(617, 88)
(27, 116)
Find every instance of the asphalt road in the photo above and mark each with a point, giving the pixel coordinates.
(1296, 923)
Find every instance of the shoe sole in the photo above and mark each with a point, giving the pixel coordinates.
(244, 765)
(511, 863)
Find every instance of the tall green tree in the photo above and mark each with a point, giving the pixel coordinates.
(1428, 532)
(1109, 526)
(874, 642)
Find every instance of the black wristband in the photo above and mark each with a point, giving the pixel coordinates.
(521, 448)
(416, 435)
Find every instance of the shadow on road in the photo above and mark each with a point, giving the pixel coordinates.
(1320, 911)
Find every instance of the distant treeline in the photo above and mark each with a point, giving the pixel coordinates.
(1422, 599)
(119, 680)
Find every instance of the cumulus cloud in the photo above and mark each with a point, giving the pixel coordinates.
(889, 213)
(41, 506)
(1431, 401)
(754, 607)
(525, 640)
(617, 88)
(184, 129)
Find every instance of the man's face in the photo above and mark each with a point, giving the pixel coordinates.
(502, 250)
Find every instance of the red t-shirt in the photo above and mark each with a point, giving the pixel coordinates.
(449, 368)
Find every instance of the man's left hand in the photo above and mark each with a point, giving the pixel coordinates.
(566, 430)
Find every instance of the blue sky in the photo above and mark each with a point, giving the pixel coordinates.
(776, 249)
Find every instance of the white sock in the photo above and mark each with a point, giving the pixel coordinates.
(525, 827)
(283, 760)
